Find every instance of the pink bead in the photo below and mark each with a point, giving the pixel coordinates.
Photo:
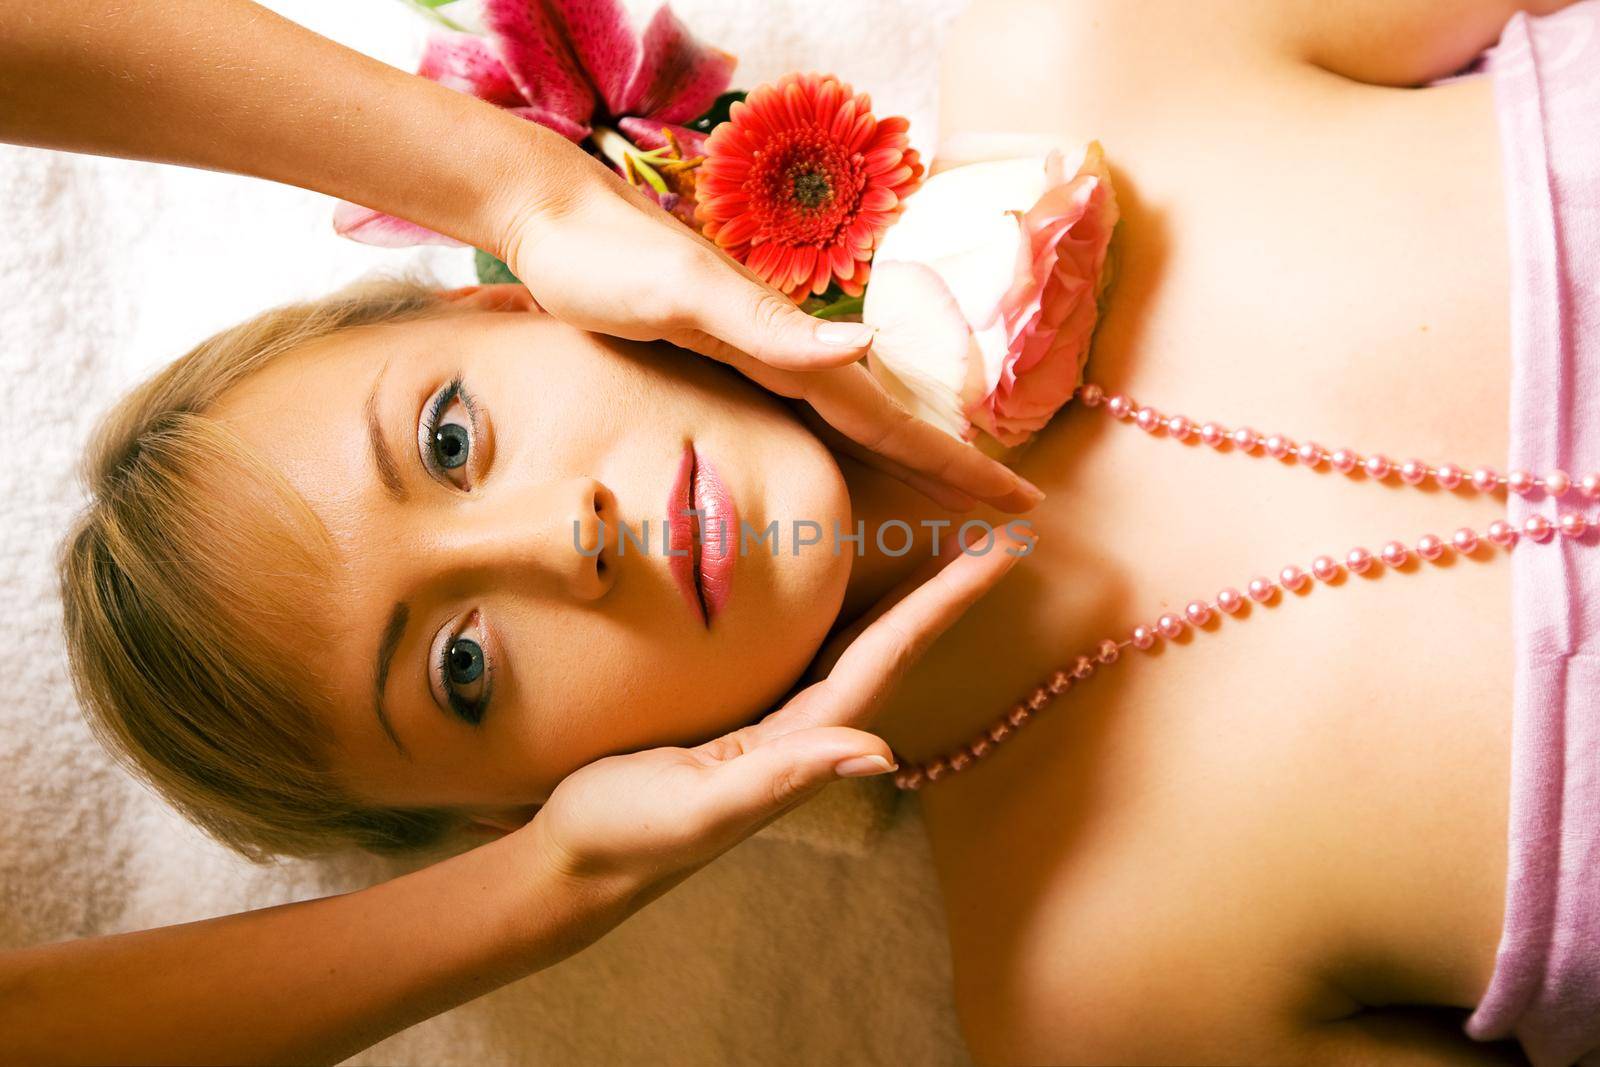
(1343, 460)
(1179, 427)
(1092, 395)
(1291, 577)
(1120, 406)
(1170, 625)
(1245, 438)
(1149, 419)
(1278, 446)
(1038, 699)
(1229, 600)
(1325, 568)
(1413, 471)
(1018, 715)
(960, 761)
(1110, 651)
(1520, 482)
(1000, 731)
(936, 769)
(979, 747)
(1573, 525)
(1358, 560)
(1556, 483)
(1309, 454)
(1484, 479)
(1537, 527)
(909, 779)
(1394, 554)
(1589, 485)
(1430, 547)
(1143, 637)
(1448, 476)
(1465, 540)
(1197, 611)
(1082, 667)
(1212, 434)
(1060, 682)
(1260, 590)
(1502, 533)
(1377, 466)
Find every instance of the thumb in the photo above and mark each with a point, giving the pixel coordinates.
(762, 783)
(741, 313)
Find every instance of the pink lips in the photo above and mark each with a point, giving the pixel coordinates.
(701, 548)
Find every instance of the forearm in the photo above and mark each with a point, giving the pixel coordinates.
(308, 982)
(228, 85)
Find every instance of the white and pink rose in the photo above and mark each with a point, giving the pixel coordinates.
(986, 292)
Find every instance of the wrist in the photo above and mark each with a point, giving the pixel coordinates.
(555, 909)
(532, 178)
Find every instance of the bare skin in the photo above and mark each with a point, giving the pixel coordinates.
(1281, 839)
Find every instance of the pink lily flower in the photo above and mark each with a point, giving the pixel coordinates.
(578, 67)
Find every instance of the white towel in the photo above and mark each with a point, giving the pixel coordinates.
(820, 940)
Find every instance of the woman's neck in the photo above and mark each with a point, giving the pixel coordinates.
(898, 528)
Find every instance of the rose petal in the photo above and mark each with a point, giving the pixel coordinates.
(646, 133)
(678, 76)
(386, 231)
(532, 45)
(1070, 228)
(923, 354)
(1020, 245)
(466, 63)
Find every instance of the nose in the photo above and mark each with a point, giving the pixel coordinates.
(552, 538)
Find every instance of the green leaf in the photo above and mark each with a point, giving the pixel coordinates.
(430, 9)
(719, 110)
(491, 271)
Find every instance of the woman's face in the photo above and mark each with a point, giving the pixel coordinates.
(472, 655)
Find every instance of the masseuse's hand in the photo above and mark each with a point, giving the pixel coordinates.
(600, 255)
(647, 820)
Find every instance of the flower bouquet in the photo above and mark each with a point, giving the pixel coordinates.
(985, 286)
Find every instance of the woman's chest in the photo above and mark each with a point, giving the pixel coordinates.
(1342, 282)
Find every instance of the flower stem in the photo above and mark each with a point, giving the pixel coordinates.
(848, 305)
(432, 12)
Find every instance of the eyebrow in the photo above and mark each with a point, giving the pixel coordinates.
(382, 458)
(393, 630)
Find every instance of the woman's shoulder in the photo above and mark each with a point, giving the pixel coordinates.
(1106, 50)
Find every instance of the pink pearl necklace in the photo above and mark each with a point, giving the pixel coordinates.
(1107, 651)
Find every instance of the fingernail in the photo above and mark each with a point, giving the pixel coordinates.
(845, 334)
(1033, 491)
(861, 766)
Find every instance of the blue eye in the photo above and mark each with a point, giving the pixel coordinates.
(464, 673)
(450, 445)
(464, 660)
(446, 433)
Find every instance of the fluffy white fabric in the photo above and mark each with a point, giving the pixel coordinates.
(820, 940)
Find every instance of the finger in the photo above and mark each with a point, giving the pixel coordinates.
(734, 308)
(746, 791)
(853, 403)
(855, 409)
(938, 492)
(896, 634)
(902, 633)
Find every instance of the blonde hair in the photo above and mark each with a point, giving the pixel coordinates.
(171, 658)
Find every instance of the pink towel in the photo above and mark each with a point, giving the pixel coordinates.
(1545, 989)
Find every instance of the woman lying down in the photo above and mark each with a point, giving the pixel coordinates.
(1216, 774)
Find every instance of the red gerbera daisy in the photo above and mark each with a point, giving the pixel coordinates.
(802, 180)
